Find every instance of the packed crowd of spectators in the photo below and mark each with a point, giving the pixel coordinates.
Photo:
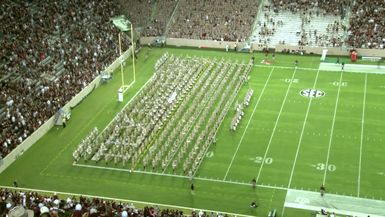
(163, 12)
(53, 205)
(227, 20)
(137, 11)
(49, 51)
(37, 204)
(367, 24)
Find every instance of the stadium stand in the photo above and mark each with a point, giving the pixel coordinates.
(55, 50)
(214, 20)
(161, 14)
(54, 206)
(367, 25)
(39, 204)
(309, 23)
(138, 12)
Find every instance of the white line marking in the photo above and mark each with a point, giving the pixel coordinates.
(285, 67)
(177, 176)
(302, 132)
(362, 137)
(248, 123)
(275, 126)
(119, 199)
(332, 130)
(300, 139)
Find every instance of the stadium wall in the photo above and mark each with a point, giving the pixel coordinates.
(337, 51)
(43, 129)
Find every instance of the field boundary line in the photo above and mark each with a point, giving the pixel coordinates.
(119, 199)
(248, 123)
(275, 126)
(285, 67)
(362, 138)
(178, 176)
(300, 139)
(332, 129)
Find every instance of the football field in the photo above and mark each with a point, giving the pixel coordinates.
(304, 127)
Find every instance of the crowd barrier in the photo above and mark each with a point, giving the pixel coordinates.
(43, 129)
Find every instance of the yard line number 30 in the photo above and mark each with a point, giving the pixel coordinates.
(322, 166)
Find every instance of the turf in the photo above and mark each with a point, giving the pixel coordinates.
(284, 140)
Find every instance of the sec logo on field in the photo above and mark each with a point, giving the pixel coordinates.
(312, 93)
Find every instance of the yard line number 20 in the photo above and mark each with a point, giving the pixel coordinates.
(259, 160)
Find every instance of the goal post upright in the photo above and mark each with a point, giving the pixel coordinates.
(133, 51)
(122, 24)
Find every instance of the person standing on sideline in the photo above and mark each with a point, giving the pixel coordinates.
(192, 189)
(64, 122)
(342, 66)
(322, 190)
(253, 204)
(254, 183)
(296, 64)
(15, 183)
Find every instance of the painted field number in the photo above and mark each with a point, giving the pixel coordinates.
(294, 80)
(330, 167)
(337, 83)
(259, 160)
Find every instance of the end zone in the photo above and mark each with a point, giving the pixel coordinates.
(338, 204)
(373, 69)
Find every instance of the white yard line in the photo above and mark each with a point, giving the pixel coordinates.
(123, 200)
(178, 176)
(285, 67)
(248, 123)
(302, 132)
(275, 126)
(332, 130)
(300, 139)
(362, 138)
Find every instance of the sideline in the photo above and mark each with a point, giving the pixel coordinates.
(180, 176)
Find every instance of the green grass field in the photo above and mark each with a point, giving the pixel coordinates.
(285, 140)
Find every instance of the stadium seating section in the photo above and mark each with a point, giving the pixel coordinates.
(55, 205)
